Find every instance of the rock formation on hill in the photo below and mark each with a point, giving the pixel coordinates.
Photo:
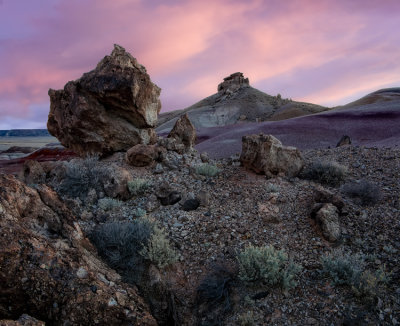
(237, 102)
(109, 109)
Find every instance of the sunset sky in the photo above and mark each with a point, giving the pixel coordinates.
(327, 52)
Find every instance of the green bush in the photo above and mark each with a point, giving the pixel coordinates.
(268, 265)
(139, 212)
(138, 186)
(207, 170)
(108, 204)
(362, 192)
(330, 173)
(81, 175)
(246, 319)
(158, 249)
(350, 270)
(341, 268)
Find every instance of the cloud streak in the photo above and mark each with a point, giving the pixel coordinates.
(327, 52)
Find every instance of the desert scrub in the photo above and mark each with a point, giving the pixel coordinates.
(350, 270)
(270, 187)
(208, 170)
(81, 175)
(138, 186)
(120, 243)
(268, 265)
(158, 249)
(246, 319)
(108, 204)
(362, 192)
(330, 173)
(138, 212)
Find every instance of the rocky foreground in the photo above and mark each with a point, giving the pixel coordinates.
(51, 271)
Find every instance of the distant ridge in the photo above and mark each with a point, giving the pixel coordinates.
(24, 133)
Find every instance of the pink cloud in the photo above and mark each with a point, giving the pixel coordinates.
(322, 51)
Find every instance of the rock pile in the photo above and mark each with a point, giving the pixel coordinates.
(266, 154)
(109, 109)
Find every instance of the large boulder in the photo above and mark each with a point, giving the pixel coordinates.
(184, 132)
(266, 154)
(143, 155)
(109, 109)
(49, 269)
(327, 217)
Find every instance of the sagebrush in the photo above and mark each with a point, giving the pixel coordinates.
(159, 250)
(207, 170)
(138, 186)
(268, 265)
(108, 204)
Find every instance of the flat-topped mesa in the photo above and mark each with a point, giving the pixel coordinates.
(233, 82)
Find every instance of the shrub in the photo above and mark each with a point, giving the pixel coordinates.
(349, 270)
(139, 212)
(158, 249)
(341, 268)
(362, 192)
(138, 186)
(246, 319)
(107, 204)
(81, 175)
(207, 170)
(270, 187)
(120, 243)
(330, 173)
(268, 265)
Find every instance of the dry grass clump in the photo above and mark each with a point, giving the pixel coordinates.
(363, 192)
(330, 173)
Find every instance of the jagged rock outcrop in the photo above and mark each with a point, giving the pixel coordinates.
(109, 109)
(50, 271)
(184, 132)
(233, 82)
(266, 154)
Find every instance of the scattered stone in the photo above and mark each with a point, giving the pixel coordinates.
(203, 197)
(345, 140)
(204, 157)
(82, 272)
(266, 154)
(143, 155)
(158, 169)
(190, 205)
(109, 109)
(327, 217)
(115, 182)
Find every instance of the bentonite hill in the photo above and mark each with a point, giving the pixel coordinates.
(246, 209)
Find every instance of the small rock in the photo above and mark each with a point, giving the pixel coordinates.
(191, 205)
(81, 273)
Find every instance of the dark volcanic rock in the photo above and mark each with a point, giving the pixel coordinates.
(108, 109)
(190, 205)
(50, 271)
(143, 155)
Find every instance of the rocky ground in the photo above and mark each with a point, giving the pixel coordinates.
(239, 208)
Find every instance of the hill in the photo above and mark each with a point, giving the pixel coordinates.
(237, 102)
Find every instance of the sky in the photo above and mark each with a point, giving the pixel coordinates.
(327, 52)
